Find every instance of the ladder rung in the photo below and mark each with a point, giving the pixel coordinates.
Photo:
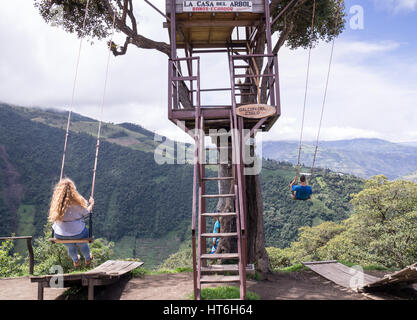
(212, 149)
(218, 195)
(218, 178)
(219, 235)
(220, 256)
(222, 134)
(218, 214)
(214, 279)
(218, 268)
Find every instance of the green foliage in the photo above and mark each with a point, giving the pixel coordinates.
(283, 216)
(294, 268)
(97, 25)
(381, 233)
(9, 262)
(128, 194)
(224, 292)
(296, 24)
(48, 254)
(279, 258)
(180, 259)
(130, 210)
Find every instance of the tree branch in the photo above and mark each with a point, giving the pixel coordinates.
(135, 38)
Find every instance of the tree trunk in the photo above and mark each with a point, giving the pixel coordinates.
(256, 252)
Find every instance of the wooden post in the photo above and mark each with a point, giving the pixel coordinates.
(40, 290)
(90, 289)
(31, 256)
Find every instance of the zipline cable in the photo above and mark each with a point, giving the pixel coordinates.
(73, 90)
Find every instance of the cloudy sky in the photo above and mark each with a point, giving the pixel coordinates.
(372, 89)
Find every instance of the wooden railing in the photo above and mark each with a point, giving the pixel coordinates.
(30, 249)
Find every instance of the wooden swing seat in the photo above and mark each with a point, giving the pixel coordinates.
(86, 240)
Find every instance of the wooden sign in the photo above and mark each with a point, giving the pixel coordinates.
(217, 6)
(255, 111)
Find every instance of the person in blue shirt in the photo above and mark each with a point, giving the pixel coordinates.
(216, 229)
(300, 192)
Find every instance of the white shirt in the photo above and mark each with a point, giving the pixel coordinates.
(72, 223)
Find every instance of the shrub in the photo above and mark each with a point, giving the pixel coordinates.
(9, 262)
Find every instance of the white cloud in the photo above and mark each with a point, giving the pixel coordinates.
(371, 92)
(366, 48)
(396, 6)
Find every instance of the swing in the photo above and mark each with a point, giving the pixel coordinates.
(322, 108)
(90, 238)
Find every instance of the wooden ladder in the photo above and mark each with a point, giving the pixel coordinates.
(204, 272)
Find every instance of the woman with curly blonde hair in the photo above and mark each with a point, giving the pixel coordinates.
(67, 212)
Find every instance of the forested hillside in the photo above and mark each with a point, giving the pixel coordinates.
(137, 200)
(145, 208)
(283, 216)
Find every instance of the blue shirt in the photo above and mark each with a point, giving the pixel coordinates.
(216, 229)
(302, 192)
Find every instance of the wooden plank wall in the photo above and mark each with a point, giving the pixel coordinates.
(258, 6)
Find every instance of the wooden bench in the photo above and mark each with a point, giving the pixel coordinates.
(342, 275)
(105, 274)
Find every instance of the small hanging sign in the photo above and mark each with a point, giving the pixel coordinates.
(256, 111)
(216, 6)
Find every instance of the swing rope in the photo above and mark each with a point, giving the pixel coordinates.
(93, 182)
(102, 108)
(73, 90)
(306, 89)
(325, 95)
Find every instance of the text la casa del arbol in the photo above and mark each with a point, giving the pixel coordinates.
(233, 4)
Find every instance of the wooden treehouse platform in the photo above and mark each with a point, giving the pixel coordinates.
(205, 27)
(105, 274)
(239, 32)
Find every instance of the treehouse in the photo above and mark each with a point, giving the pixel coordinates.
(240, 33)
(238, 29)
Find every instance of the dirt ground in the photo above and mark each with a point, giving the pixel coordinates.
(302, 285)
(298, 285)
(22, 289)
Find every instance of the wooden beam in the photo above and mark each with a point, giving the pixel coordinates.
(215, 23)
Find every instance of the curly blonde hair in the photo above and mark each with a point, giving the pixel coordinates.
(65, 195)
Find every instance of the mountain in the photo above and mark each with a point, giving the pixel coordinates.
(137, 200)
(144, 207)
(361, 157)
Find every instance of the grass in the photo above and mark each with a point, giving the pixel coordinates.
(140, 272)
(294, 268)
(224, 292)
(369, 267)
(301, 267)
